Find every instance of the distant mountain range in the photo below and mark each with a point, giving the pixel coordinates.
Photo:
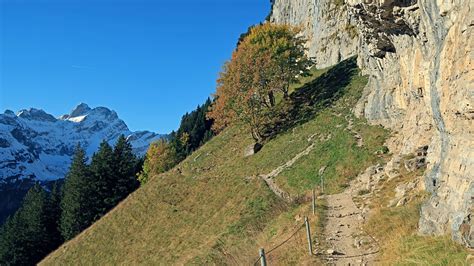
(36, 146)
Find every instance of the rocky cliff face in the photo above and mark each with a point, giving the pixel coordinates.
(419, 57)
(326, 24)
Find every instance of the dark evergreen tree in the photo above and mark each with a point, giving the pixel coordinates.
(53, 217)
(76, 211)
(25, 238)
(126, 166)
(33, 214)
(194, 131)
(103, 180)
(12, 241)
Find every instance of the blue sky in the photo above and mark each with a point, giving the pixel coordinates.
(149, 60)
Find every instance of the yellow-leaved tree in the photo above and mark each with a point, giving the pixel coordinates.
(263, 66)
(160, 157)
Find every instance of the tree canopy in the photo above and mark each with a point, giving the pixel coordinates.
(32, 232)
(268, 59)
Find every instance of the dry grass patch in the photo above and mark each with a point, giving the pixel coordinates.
(396, 228)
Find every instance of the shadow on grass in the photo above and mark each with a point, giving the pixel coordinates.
(312, 97)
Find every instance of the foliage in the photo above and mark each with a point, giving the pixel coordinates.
(194, 130)
(76, 202)
(161, 156)
(45, 219)
(265, 63)
(32, 231)
(90, 191)
(125, 168)
(103, 179)
(113, 171)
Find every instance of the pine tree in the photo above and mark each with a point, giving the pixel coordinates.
(195, 129)
(103, 180)
(34, 215)
(126, 166)
(12, 241)
(24, 239)
(76, 212)
(53, 217)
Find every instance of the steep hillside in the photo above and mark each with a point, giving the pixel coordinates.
(418, 55)
(216, 206)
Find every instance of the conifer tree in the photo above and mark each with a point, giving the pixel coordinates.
(53, 216)
(25, 238)
(34, 215)
(103, 180)
(12, 241)
(126, 166)
(76, 211)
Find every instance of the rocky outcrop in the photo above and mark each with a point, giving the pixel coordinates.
(418, 55)
(325, 23)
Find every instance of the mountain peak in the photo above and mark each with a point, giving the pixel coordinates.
(9, 112)
(36, 114)
(80, 109)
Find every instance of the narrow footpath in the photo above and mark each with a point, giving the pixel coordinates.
(348, 244)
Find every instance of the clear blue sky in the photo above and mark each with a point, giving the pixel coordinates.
(149, 60)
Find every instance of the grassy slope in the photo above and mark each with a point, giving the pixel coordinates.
(213, 208)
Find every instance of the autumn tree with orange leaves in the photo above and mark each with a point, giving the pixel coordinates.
(263, 66)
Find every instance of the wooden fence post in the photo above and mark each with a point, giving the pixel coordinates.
(263, 260)
(322, 184)
(308, 234)
(314, 204)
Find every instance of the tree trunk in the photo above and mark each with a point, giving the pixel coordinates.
(256, 135)
(271, 98)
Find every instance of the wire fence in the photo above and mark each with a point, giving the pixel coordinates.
(306, 223)
(281, 244)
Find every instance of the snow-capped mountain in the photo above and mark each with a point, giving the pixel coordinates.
(36, 145)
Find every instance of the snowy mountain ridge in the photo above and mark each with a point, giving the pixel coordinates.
(35, 145)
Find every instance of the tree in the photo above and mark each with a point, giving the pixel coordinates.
(195, 129)
(34, 218)
(12, 241)
(53, 216)
(28, 235)
(126, 165)
(160, 157)
(266, 62)
(103, 180)
(77, 213)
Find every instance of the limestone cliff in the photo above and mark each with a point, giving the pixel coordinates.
(326, 24)
(419, 57)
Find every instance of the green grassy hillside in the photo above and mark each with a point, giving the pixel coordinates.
(214, 207)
